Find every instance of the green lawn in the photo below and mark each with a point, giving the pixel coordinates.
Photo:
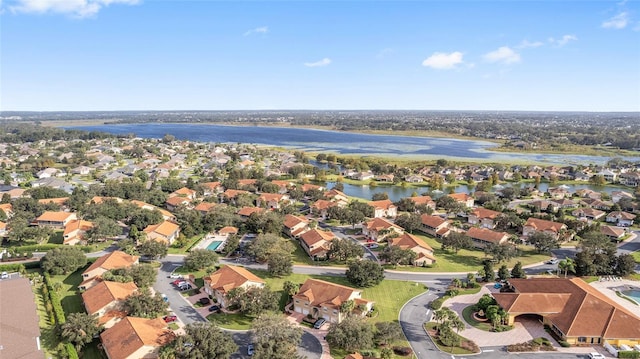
(231, 321)
(451, 350)
(636, 256)
(467, 314)
(469, 261)
(69, 294)
(48, 336)
(185, 249)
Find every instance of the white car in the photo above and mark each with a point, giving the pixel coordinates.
(4, 275)
(174, 275)
(596, 356)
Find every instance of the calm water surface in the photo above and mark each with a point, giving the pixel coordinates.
(343, 142)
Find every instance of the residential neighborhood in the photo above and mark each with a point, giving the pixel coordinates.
(134, 232)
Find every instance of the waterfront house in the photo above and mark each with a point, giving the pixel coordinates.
(426, 201)
(384, 208)
(463, 198)
(483, 217)
(378, 229)
(434, 225)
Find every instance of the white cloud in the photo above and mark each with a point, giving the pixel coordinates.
(525, 44)
(504, 55)
(257, 30)
(563, 40)
(78, 8)
(443, 61)
(324, 62)
(619, 21)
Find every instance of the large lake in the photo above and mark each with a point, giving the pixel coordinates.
(348, 143)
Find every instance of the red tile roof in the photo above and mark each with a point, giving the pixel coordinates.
(130, 334)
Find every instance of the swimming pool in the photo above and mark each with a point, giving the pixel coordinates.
(214, 245)
(633, 294)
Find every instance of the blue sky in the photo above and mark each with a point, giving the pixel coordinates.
(221, 55)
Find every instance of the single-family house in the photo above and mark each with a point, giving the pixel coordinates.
(384, 208)
(7, 208)
(230, 195)
(271, 200)
(19, 329)
(75, 231)
(82, 170)
(246, 212)
(204, 207)
(434, 225)
(631, 179)
(172, 203)
(321, 207)
(165, 231)
(423, 251)
(229, 277)
(316, 243)
(482, 237)
(534, 225)
(414, 179)
(558, 192)
(105, 300)
(322, 299)
(378, 229)
(608, 175)
(463, 198)
(483, 217)
(613, 233)
(56, 220)
(109, 261)
(136, 338)
(184, 192)
(166, 215)
(295, 225)
(211, 188)
(336, 196)
(588, 214)
(426, 201)
(616, 196)
(622, 219)
(47, 173)
(575, 311)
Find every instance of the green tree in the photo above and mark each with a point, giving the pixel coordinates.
(103, 228)
(501, 252)
(517, 271)
(624, 265)
(79, 329)
(199, 259)
(290, 288)
(503, 272)
(266, 244)
(275, 337)
(388, 332)
(352, 333)
(395, 255)
(489, 274)
(253, 300)
(409, 221)
(365, 273)
(145, 305)
(456, 241)
(280, 264)
(566, 265)
(143, 275)
(543, 242)
(153, 249)
(344, 249)
(63, 260)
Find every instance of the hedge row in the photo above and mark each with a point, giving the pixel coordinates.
(72, 353)
(628, 354)
(58, 312)
(16, 267)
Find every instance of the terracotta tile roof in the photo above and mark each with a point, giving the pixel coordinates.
(247, 211)
(246, 182)
(481, 212)
(319, 292)
(323, 204)
(378, 224)
(291, 220)
(176, 201)
(130, 334)
(18, 320)
(228, 230)
(104, 293)
(621, 215)
(77, 225)
(113, 260)
(612, 231)
(54, 216)
(282, 183)
(383, 204)
(574, 307)
(164, 228)
(184, 191)
(460, 197)
(422, 200)
(150, 207)
(233, 193)
(542, 225)
(432, 221)
(334, 193)
(98, 199)
(314, 236)
(308, 187)
(111, 314)
(591, 212)
(204, 206)
(7, 208)
(277, 197)
(409, 241)
(230, 277)
(211, 185)
(487, 235)
(3, 226)
(355, 355)
(59, 201)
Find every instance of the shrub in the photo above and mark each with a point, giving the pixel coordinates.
(437, 303)
(564, 344)
(628, 354)
(402, 351)
(71, 351)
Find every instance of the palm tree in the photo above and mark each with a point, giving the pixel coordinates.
(567, 265)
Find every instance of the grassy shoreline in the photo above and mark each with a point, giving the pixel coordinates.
(499, 148)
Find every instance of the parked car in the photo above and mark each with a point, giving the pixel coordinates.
(164, 297)
(204, 300)
(596, 356)
(497, 285)
(170, 318)
(214, 308)
(179, 282)
(318, 324)
(250, 349)
(553, 261)
(184, 287)
(373, 245)
(174, 275)
(4, 275)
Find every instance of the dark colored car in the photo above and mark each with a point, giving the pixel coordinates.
(170, 318)
(214, 308)
(250, 349)
(204, 300)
